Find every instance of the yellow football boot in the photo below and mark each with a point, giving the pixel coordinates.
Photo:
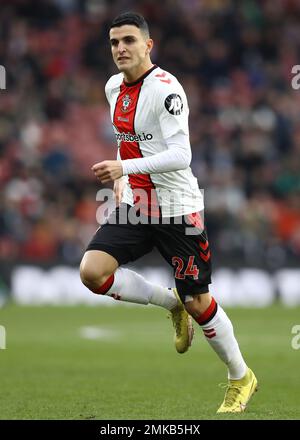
(238, 393)
(183, 325)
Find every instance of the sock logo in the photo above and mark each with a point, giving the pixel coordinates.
(209, 333)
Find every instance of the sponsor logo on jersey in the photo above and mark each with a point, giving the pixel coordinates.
(128, 137)
(126, 100)
(174, 104)
(123, 119)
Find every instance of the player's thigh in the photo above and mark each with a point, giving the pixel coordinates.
(188, 254)
(115, 243)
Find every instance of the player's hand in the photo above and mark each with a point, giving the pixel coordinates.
(119, 186)
(108, 170)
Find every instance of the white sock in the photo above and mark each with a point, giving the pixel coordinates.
(219, 334)
(130, 286)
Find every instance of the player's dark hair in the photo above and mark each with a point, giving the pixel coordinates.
(131, 18)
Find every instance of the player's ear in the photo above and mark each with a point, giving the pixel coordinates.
(149, 44)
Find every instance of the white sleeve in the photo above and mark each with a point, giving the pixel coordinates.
(172, 109)
(177, 157)
(107, 91)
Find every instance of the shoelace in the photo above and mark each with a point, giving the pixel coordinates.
(231, 393)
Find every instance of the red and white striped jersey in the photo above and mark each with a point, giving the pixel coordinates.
(144, 114)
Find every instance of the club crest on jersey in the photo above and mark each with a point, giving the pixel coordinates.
(174, 104)
(126, 103)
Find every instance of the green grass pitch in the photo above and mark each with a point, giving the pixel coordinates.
(49, 371)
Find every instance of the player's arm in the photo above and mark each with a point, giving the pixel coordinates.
(108, 170)
(111, 170)
(176, 157)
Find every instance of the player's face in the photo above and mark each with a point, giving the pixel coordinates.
(130, 48)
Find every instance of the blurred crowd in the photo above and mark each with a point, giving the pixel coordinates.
(234, 59)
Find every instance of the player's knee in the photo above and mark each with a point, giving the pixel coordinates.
(191, 308)
(91, 276)
(198, 305)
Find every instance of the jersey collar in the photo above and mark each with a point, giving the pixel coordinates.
(141, 77)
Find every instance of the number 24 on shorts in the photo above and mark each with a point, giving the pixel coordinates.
(191, 269)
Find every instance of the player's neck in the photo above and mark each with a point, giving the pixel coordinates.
(134, 74)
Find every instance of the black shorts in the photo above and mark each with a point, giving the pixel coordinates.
(181, 241)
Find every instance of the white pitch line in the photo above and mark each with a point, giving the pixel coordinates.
(94, 332)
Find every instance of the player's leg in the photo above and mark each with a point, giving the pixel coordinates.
(163, 237)
(100, 272)
(190, 257)
(113, 245)
(218, 331)
(96, 269)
